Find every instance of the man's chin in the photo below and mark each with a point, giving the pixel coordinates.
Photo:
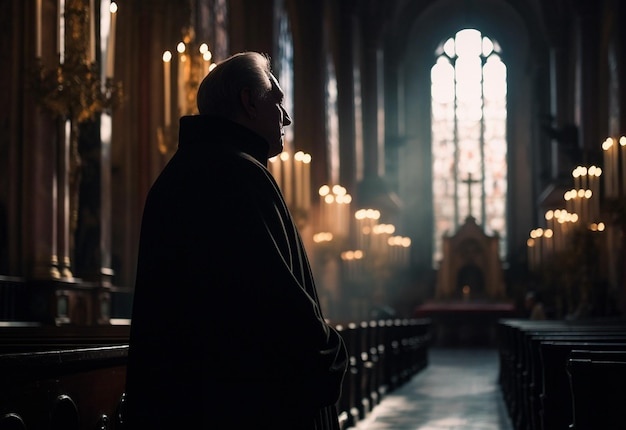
(274, 151)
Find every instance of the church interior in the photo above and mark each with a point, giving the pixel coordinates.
(446, 159)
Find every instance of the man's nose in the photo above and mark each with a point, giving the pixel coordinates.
(286, 117)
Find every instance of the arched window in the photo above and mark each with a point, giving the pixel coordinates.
(469, 146)
(332, 120)
(285, 69)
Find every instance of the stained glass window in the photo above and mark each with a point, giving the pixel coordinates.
(332, 123)
(469, 144)
(285, 70)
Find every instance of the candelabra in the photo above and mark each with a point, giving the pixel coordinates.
(192, 65)
(582, 247)
(72, 90)
(293, 176)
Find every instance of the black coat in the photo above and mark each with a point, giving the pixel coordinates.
(226, 328)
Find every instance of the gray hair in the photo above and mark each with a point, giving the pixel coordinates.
(220, 90)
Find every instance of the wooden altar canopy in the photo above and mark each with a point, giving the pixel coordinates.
(470, 268)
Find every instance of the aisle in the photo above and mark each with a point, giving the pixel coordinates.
(457, 391)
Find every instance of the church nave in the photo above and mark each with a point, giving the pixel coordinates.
(458, 390)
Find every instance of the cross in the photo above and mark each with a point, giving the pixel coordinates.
(469, 181)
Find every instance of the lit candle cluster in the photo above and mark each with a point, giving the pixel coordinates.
(377, 240)
(191, 68)
(556, 238)
(293, 176)
(335, 210)
(366, 219)
(393, 253)
(91, 37)
(353, 265)
(584, 198)
(561, 223)
(614, 156)
(323, 237)
(539, 245)
(379, 237)
(399, 250)
(378, 252)
(582, 208)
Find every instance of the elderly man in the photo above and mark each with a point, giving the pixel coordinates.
(227, 331)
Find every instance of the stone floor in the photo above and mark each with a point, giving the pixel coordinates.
(457, 391)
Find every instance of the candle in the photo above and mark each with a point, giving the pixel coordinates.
(278, 168)
(576, 175)
(288, 178)
(38, 29)
(578, 199)
(92, 33)
(111, 46)
(622, 144)
(307, 181)
(167, 58)
(299, 179)
(61, 30)
(206, 60)
(206, 57)
(330, 216)
(605, 158)
(323, 192)
(596, 191)
(531, 252)
(610, 180)
(182, 59)
(614, 169)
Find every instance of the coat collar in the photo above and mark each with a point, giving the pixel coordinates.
(211, 132)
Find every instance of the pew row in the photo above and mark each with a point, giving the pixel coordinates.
(383, 355)
(73, 377)
(597, 381)
(533, 366)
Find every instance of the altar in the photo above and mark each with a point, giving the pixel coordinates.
(470, 294)
(470, 269)
(465, 323)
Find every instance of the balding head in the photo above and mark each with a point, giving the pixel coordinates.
(220, 91)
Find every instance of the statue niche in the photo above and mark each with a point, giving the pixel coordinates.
(471, 267)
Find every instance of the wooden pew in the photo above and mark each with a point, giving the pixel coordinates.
(512, 340)
(55, 377)
(529, 378)
(521, 370)
(556, 409)
(348, 404)
(598, 388)
(383, 355)
(63, 389)
(533, 378)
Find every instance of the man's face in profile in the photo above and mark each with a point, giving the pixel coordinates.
(272, 117)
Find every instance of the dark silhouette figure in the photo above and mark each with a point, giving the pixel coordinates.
(227, 331)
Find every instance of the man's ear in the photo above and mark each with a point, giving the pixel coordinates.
(248, 102)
